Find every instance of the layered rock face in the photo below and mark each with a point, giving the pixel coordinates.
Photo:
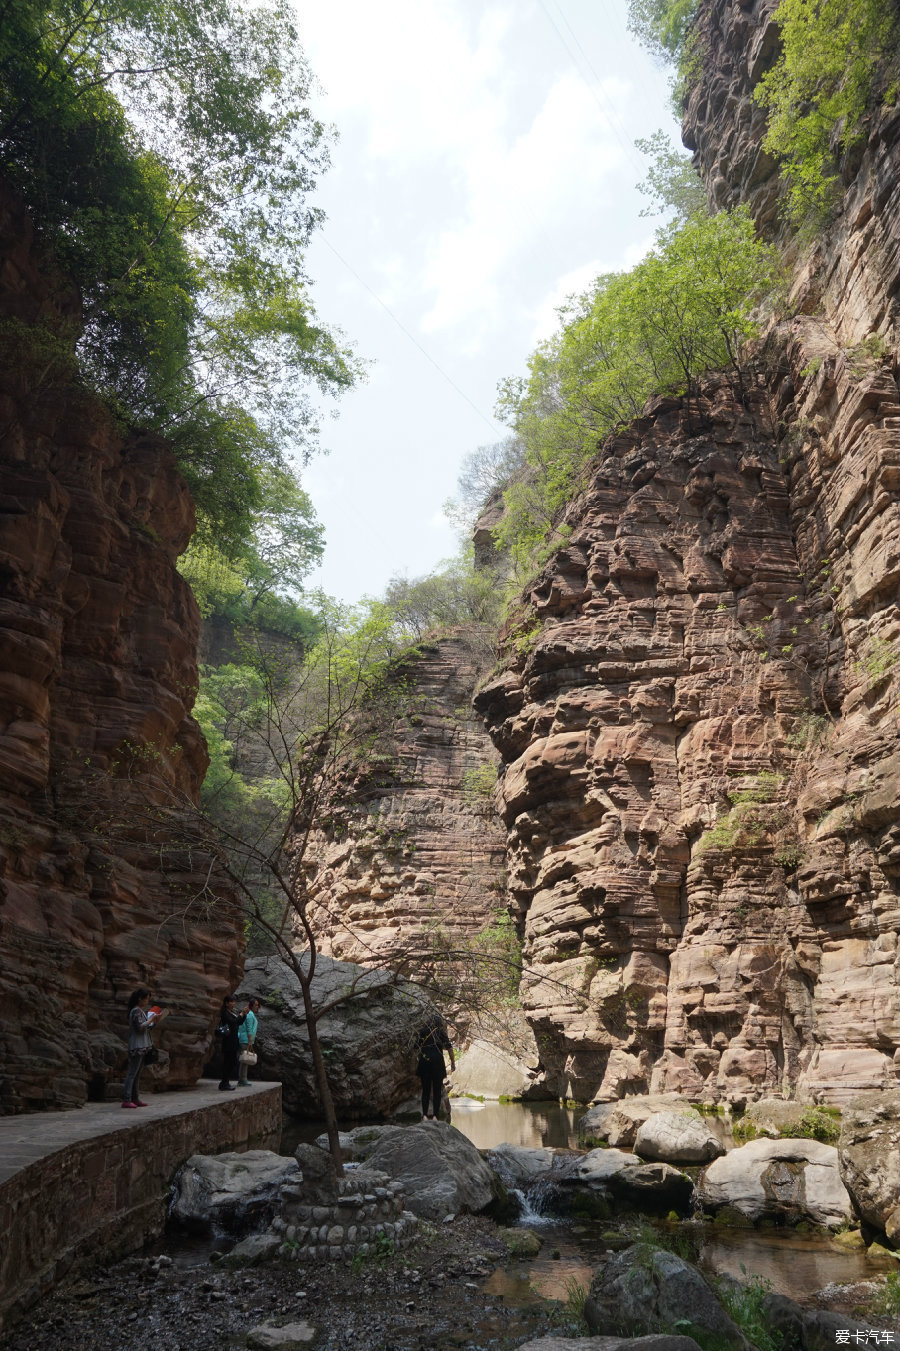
(699, 719)
(699, 743)
(419, 849)
(98, 675)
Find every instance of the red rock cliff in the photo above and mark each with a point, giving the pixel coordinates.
(98, 634)
(702, 775)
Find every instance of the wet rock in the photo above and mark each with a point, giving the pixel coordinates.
(641, 1292)
(677, 1137)
(521, 1166)
(229, 1193)
(521, 1242)
(651, 1186)
(785, 1180)
(869, 1150)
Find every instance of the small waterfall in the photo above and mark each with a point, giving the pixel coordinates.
(534, 1198)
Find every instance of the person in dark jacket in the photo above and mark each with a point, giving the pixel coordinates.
(431, 1069)
(229, 1022)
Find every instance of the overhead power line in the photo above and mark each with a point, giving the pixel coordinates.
(495, 428)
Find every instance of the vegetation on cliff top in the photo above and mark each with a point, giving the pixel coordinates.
(166, 152)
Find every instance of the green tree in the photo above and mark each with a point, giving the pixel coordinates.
(672, 182)
(685, 309)
(834, 54)
(166, 152)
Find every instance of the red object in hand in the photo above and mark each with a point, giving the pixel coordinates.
(155, 1008)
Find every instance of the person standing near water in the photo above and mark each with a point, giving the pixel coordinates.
(246, 1040)
(431, 1069)
(140, 1021)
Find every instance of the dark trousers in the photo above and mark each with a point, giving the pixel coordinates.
(230, 1052)
(135, 1065)
(432, 1088)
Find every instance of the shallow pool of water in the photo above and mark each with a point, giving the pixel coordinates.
(534, 1124)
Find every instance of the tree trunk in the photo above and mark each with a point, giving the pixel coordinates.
(324, 1087)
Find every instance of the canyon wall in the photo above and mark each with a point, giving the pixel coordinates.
(99, 634)
(699, 704)
(416, 849)
(699, 717)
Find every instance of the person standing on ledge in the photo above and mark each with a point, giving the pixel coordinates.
(433, 1042)
(140, 1021)
(246, 1039)
(229, 1023)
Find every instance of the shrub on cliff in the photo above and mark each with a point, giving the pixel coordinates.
(685, 309)
(833, 55)
(165, 152)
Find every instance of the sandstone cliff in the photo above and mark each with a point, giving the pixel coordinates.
(699, 720)
(418, 848)
(99, 636)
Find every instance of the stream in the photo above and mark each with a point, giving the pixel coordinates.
(794, 1264)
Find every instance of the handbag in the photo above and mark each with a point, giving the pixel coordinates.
(151, 1055)
(247, 1058)
(223, 1030)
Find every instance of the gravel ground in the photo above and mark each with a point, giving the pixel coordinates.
(429, 1298)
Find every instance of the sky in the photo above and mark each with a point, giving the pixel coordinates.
(485, 169)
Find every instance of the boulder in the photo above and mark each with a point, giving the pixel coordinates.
(441, 1171)
(677, 1137)
(869, 1151)
(521, 1242)
(229, 1193)
(784, 1180)
(648, 1186)
(357, 1144)
(521, 1166)
(252, 1250)
(659, 1341)
(367, 1041)
(617, 1122)
(809, 1329)
(637, 1291)
(775, 1116)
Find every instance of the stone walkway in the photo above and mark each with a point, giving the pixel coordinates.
(35, 1135)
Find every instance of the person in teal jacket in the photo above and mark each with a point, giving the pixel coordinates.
(247, 1037)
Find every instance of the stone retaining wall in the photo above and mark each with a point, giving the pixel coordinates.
(96, 1199)
(369, 1207)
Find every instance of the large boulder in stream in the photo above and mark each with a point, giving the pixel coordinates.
(654, 1187)
(442, 1172)
(618, 1122)
(869, 1152)
(229, 1193)
(677, 1137)
(782, 1180)
(367, 1040)
(645, 1291)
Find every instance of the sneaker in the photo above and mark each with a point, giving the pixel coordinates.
(129, 1104)
(141, 1104)
(226, 1088)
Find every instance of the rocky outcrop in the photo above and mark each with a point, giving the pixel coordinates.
(441, 1172)
(699, 745)
(637, 1291)
(869, 1150)
(98, 674)
(415, 854)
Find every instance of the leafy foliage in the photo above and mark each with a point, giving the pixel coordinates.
(832, 53)
(685, 309)
(672, 182)
(455, 595)
(165, 152)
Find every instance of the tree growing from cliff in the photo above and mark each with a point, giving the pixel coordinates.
(166, 152)
(683, 310)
